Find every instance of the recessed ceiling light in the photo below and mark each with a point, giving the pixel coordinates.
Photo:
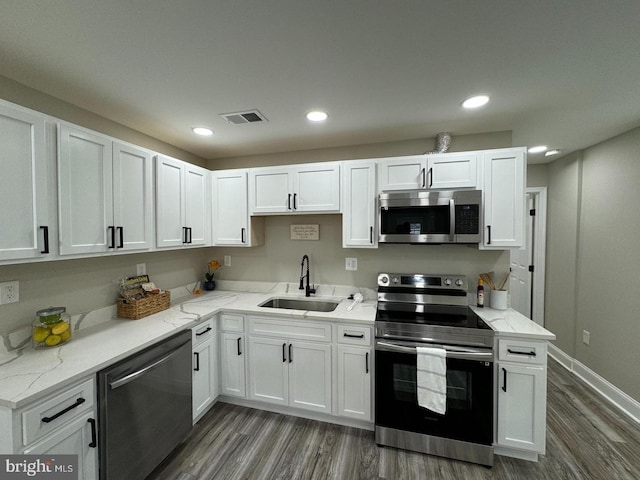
(204, 131)
(475, 102)
(538, 149)
(317, 116)
(549, 153)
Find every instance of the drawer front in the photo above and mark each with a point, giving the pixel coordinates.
(57, 411)
(202, 332)
(522, 351)
(354, 335)
(315, 331)
(232, 323)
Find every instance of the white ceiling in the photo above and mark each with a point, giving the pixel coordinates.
(561, 73)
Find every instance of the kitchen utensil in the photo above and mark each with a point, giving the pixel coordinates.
(504, 282)
(486, 278)
(357, 298)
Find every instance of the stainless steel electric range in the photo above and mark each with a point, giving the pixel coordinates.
(432, 310)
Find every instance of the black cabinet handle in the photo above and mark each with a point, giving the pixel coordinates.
(289, 202)
(208, 329)
(239, 351)
(184, 234)
(45, 235)
(294, 201)
(242, 240)
(532, 353)
(371, 235)
(190, 232)
(112, 234)
(366, 362)
(489, 232)
(430, 177)
(350, 335)
(121, 237)
(290, 354)
(79, 402)
(94, 442)
(284, 355)
(504, 379)
(197, 355)
(424, 180)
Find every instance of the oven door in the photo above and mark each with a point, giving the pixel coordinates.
(469, 413)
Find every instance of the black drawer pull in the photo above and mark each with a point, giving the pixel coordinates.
(121, 237)
(206, 330)
(290, 354)
(46, 239)
(197, 355)
(239, 351)
(528, 354)
(366, 362)
(79, 402)
(94, 442)
(350, 335)
(284, 355)
(504, 379)
(112, 234)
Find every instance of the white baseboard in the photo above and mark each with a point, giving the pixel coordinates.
(616, 397)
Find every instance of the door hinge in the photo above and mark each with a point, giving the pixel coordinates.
(532, 212)
(531, 268)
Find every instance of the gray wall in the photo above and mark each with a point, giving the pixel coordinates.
(593, 258)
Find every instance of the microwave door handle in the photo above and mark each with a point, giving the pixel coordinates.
(452, 220)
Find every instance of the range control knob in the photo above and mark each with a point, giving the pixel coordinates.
(459, 282)
(395, 280)
(384, 280)
(447, 282)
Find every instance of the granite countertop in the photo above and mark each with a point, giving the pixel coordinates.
(27, 374)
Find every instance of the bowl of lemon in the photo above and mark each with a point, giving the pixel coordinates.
(51, 328)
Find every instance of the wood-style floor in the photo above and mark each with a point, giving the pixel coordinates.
(586, 439)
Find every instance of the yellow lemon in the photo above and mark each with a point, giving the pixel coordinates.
(40, 333)
(53, 340)
(59, 328)
(66, 335)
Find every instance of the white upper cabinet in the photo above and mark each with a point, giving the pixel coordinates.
(311, 187)
(24, 213)
(105, 194)
(359, 204)
(231, 223)
(504, 198)
(447, 170)
(182, 203)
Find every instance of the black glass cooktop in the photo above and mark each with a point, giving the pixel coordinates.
(443, 315)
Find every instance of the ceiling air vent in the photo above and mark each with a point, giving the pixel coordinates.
(239, 118)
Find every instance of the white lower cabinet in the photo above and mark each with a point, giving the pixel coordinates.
(205, 378)
(232, 364)
(354, 382)
(522, 397)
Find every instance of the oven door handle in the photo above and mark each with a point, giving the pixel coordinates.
(461, 354)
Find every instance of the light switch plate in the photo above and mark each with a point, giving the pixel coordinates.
(351, 263)
(9, 292)
(227, 260)
(141, 269)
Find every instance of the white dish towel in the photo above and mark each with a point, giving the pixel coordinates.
(432, 378)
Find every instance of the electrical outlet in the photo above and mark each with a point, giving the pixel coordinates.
(9, 292)
(141, 269)
(351, 263)
(227, 260)
(586, 337)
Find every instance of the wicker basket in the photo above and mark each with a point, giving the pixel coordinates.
(144, 307)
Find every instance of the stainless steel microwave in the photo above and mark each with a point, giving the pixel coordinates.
(421, 216)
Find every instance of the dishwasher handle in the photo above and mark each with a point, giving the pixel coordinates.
(138, 373)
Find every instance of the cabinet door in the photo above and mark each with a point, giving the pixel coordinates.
(197, 204)
(522, 392)
(504, 198)
(359, 205)
(310, 376)
(232, 359)
(270, 190)
(23, 185)
(170, 208)
(203, 377)
(75, 438)
(317, 188)
(402, 173)
(132, 197)
(85, 192)
(452, 170)
(268, 370)
(354, 382)
(230, 208)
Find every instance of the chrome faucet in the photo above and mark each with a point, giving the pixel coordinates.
(308, 290)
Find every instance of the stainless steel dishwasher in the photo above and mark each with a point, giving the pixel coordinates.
(144, 408)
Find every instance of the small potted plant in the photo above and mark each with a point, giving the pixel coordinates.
(210, 283)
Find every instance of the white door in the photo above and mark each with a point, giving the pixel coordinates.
(359, 204)
(230, 208)
(520, 260)
(232, 371)
(402, 173)
(317, 188)
(132, 197)
(85, 192)
(23, 185)
(310, 376)
(268, 370)
(270, 190)
(452, 170)
(170, 228)
(354, 382)
(197, 206)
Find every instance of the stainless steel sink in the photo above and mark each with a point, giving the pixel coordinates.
(299, 304)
